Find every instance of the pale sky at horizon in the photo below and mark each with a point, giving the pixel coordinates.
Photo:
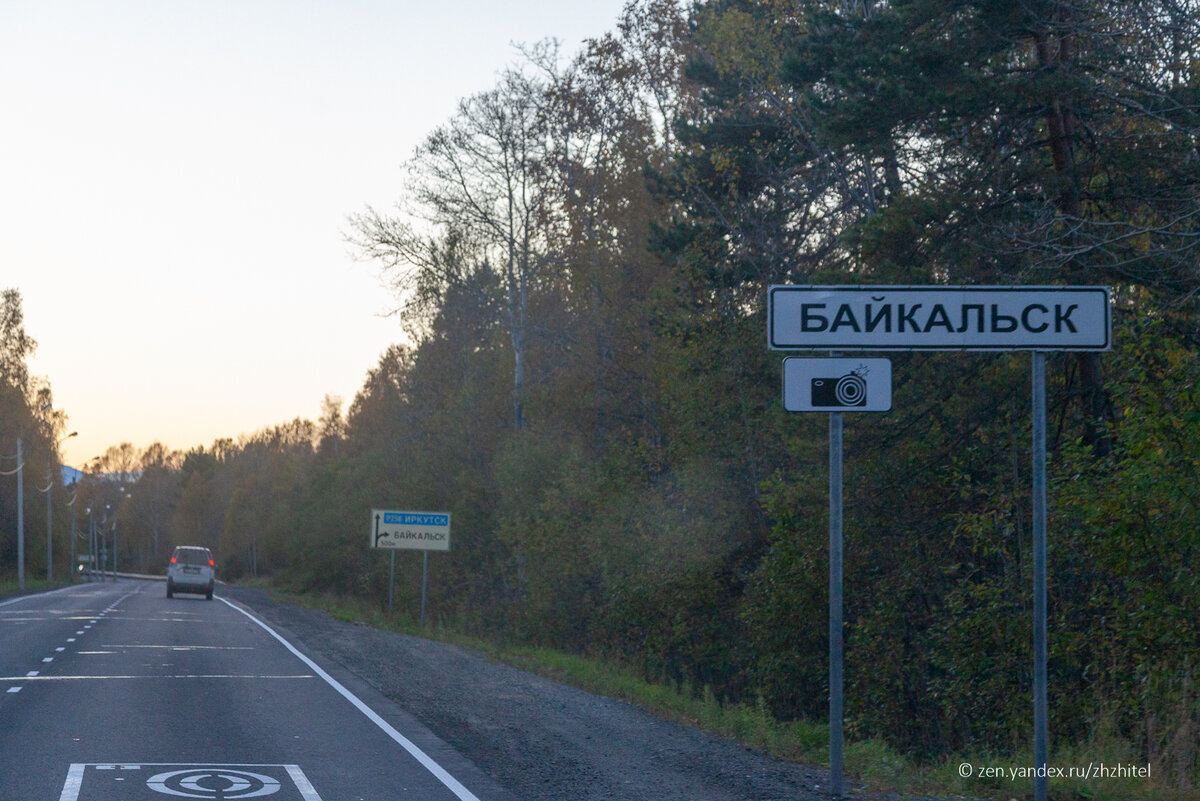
(175, 179)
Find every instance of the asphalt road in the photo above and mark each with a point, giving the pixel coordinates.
(111, 691)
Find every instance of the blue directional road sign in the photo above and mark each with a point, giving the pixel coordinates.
(419, 531)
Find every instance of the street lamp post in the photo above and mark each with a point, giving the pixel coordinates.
(124, 497)
(91, 542)
(74, 533)
(49, 509)
(71, 506)
(49, 519)
(21, 514)
(91, 535)
(20, 519)
(104, 540)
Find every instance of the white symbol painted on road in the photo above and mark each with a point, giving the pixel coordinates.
(216, 783)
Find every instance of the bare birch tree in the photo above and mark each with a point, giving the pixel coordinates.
(474, 202)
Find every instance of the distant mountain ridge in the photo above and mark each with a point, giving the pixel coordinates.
(72, 476)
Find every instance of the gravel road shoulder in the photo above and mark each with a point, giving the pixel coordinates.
(536, 737)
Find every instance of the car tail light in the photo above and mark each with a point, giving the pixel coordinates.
(172, 560)
(211, 563)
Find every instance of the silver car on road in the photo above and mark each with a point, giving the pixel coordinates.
(192, 569)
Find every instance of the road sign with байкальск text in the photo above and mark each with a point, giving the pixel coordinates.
(838, 318)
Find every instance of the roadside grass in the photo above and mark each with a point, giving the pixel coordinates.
(871, 764)
(10, 587)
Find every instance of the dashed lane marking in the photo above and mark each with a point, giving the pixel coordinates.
(185, 647)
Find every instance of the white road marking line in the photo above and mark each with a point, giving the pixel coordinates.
(74, 782)
(70, 639)
(185, 647)
(60, 649)
(307, 791)
(169, 676)
(14, 689)
(31, 674)
(437, 770)
(35, 595)
(48, 659)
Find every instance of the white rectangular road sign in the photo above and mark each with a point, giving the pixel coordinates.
(938, 318)
(837, 385)
(419, 531)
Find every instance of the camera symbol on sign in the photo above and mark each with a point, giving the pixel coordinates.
(841, 392)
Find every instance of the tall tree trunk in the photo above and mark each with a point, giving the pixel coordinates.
(1055, 51)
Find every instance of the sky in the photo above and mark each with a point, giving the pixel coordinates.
(175, 183)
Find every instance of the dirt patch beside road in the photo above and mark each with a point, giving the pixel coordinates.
(538, 738)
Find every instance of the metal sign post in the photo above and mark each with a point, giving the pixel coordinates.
(836, 717)
(20, 520)
(836, 386)
(1040, 711)
(391, 580)
(424, 582)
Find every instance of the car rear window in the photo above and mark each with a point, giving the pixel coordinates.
(191, 556)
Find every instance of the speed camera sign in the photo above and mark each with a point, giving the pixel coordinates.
(837, 385)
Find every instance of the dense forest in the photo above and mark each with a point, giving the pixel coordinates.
(580, 257)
